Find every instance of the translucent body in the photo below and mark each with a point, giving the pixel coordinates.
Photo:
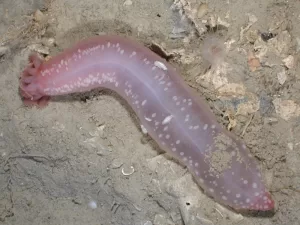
(175, 117)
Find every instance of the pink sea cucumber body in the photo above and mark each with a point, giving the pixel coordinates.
(175, 117)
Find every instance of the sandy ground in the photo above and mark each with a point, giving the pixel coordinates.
(84, 160)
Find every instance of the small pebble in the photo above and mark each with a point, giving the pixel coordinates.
(38, 16)
(92, 204)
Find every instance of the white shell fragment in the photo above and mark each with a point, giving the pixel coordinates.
(128, 171)
(281, 77)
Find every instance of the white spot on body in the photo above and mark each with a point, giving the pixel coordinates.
(144, 102)
(167, 120)
(160, 65)
(132, 54)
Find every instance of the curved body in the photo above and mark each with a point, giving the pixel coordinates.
(175, 117)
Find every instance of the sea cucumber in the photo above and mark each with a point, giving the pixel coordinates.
(169, 111)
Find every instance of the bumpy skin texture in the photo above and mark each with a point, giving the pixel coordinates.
(175, 117)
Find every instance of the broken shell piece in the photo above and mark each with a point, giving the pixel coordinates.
(128, 171)
(223, 23)
(127, 3)
(116, 163)
(281, 77)
(251, 104)
(235, 217)
(40, 49)
(3, 50)
(98, 132)
(232, 90)
(286, 109)
(49, 42)
(202, 10)
(289, 61)
(148, 223)
(217, 76)
(38, 16)
(253, 62)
